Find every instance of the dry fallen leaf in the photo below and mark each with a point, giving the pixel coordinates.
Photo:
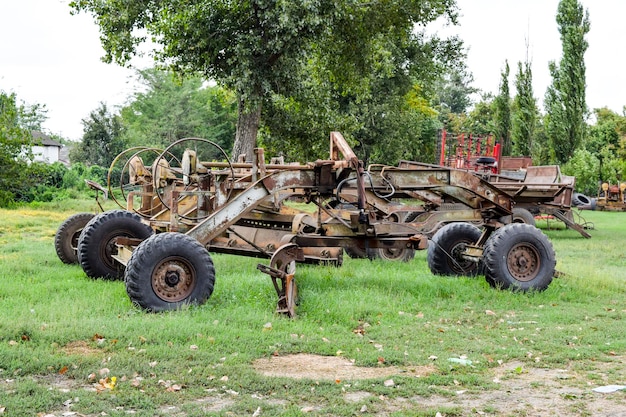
(106, 383)
(63, 370)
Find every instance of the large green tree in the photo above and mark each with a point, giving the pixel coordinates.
(166, 108)
(454, 89)
(481, 120)
(18, 174)
(102, 138)
(525, 112)
(383, 109)
(607, 141)
(565, 100)
(256, 47)
(13, 137)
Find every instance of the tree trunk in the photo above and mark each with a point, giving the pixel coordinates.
(248, 120)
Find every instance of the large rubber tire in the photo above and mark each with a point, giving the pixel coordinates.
(169, 270)
(579, 199)
(355, 252)
(393, 255)
(66, 237)
(520, 215)
(96, 243)
(520, 257)
(446, 246)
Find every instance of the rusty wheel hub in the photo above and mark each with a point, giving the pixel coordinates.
(108, 249)
(457, 261)
(173, 280)
(523, 261)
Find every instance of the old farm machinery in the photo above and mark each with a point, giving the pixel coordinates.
(536, 190)
(197, 207)
(161, 196)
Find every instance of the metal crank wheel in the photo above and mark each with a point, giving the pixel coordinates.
(135, 180)
(282, 270)
(201, 187)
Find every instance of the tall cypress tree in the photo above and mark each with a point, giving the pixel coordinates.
(565, 101)
(524, 111)
(502, 114)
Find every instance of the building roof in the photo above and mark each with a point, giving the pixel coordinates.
(41, 139)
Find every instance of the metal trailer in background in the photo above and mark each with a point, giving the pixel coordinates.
(535, 191)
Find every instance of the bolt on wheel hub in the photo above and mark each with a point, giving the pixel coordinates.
(523, 262)
(173, 280)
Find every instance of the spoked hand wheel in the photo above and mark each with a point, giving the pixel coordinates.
(195, 184)
(129, 181)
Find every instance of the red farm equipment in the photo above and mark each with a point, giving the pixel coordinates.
(536, 190)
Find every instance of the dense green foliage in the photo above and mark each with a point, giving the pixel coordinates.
(454, 89)
(565, 100)
(102, 138)
(259, 49)
(20, 179)
(167, 108)
(12, 139)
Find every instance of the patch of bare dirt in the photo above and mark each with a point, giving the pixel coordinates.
(522, 390)
(80, 347)
(333, 368)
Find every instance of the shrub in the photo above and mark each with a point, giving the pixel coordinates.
(586, 168)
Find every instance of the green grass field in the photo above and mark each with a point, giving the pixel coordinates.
(70, 344)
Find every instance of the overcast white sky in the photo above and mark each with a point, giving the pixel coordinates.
(49, 57)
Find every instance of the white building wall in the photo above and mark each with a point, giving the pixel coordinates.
(49, 154)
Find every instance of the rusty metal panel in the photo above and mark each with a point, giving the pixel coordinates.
(246, 201)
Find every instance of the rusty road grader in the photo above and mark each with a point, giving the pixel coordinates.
(180, 208)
